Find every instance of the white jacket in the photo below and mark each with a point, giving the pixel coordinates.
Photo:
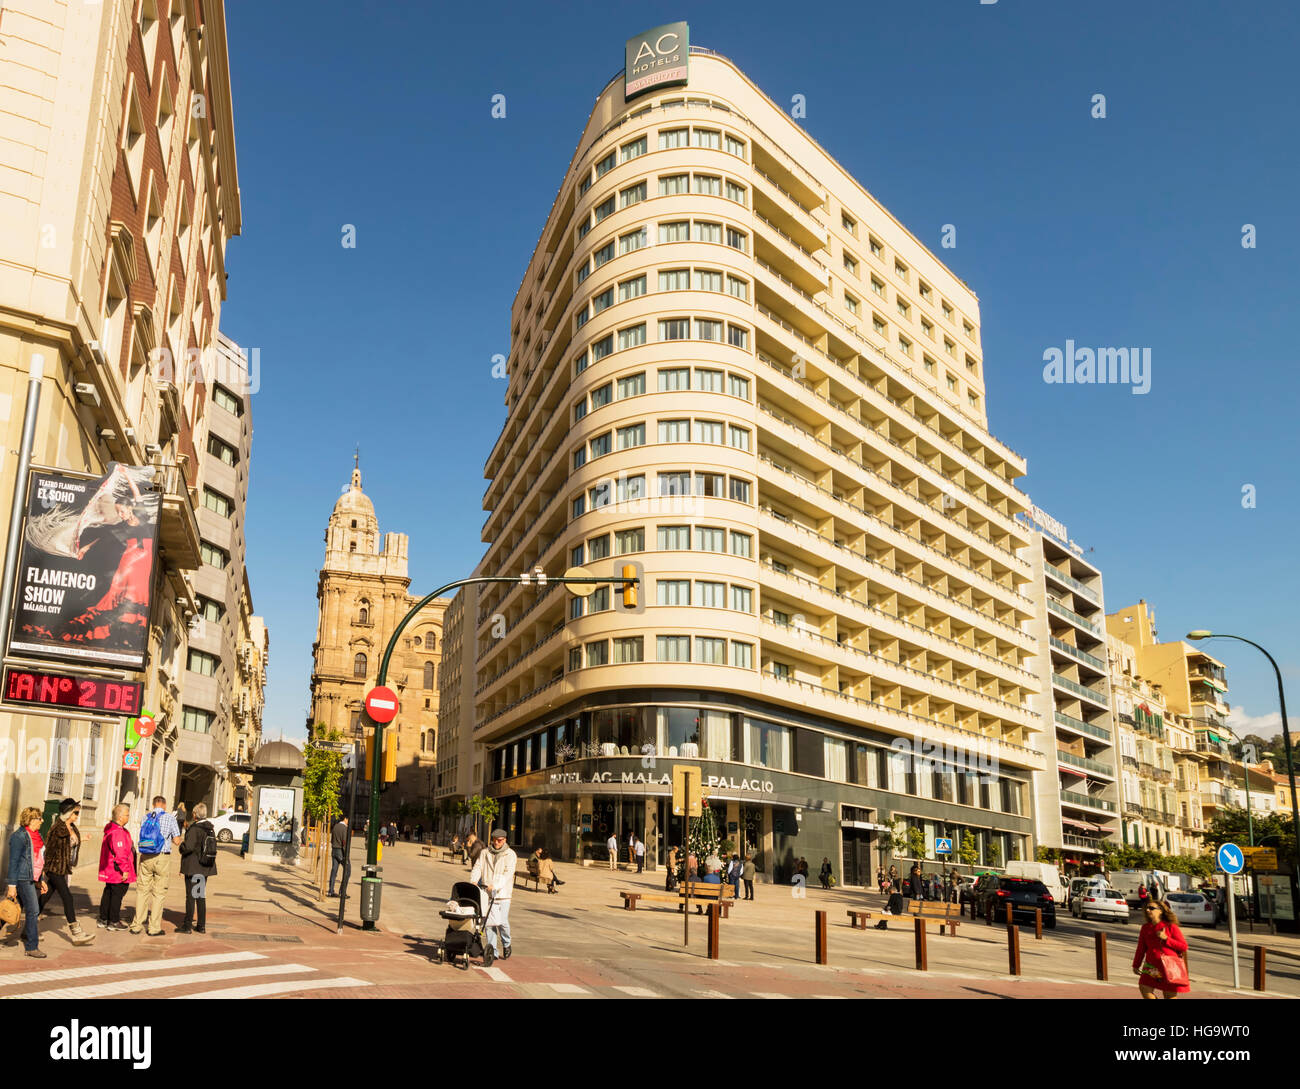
(496, 872)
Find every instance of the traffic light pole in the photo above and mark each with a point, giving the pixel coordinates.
(536, 578)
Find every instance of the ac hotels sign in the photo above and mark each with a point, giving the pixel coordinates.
(657, 58)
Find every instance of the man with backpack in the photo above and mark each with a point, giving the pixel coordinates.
(158, 835)
(198, 864)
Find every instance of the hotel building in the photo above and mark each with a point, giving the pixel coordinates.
(733, 368)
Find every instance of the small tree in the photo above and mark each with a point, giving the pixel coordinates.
(916, 842)
(484, 811)
(969, 851)
(321, 776)
(994, 852)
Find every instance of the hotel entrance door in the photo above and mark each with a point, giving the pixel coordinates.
(856, 859)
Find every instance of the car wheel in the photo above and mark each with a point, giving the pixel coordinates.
(1050, 923)
(224, 836)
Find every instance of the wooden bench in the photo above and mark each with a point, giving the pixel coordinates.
(525, 877)
(426, 851)
(448, 855)
(934, 914)
(701, 892)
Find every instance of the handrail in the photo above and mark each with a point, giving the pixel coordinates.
(1084, 656)
(526, 696)
(1079, 689)
(519, 658)
(1056, 607)
(1084, 727)
(807, 253)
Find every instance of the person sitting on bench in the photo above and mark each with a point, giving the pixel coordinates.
(896, 906)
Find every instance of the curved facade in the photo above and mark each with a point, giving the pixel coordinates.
(731, 366)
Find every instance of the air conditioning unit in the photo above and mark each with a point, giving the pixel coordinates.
(97, 350)
(87, 393)
(107, 434)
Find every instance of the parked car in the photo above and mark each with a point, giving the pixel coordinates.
(1194, 909)
(1045, 872)
(1077, 883)
(1024, 894)
(1099, 901)
(230, 826)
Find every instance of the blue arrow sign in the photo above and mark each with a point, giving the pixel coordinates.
(1230, 858)
(942, 846)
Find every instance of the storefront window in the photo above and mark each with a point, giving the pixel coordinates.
(767, 744)
(837, 760)
(629, 730)
(677, 727)
(717, 735)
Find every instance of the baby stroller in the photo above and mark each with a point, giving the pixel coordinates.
(466, 914)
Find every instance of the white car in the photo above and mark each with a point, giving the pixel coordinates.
(231, 826)
(1193, 909)
(1100, 902)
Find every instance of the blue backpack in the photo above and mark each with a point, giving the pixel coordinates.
(151, 837)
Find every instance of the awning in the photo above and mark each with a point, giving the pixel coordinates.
(1213, 684)
(1082, 825)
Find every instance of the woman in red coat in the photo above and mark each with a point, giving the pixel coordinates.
(1160, 937)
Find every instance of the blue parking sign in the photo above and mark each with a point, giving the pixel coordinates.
(1231, 858)
(942, 846)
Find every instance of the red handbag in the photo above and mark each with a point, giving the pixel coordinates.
(1174, 968)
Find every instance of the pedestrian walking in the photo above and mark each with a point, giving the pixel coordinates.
(611, 845)
(1159, 962)
(340, 849)
(24, 881)
(640, 855)
(495, 871)
(61, 855)
(473, 848)
(181, 816)
(825, 873)
(116, 869)
(734, 869)
(631, 848)
(882, 881)
(914, 882)
(419, 833)
(895, 883)
(198, 867)
(158, 835)
(692, 866)
(747, 872)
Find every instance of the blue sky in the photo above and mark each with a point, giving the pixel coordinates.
(1110, 232)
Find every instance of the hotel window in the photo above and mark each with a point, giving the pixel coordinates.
(836, 759)
(742, 655)
(926, 293)
(706, 329)
(708, 381)
(738, 336)
(635, 240)
(677, 231)
(598, 600)
(738, 288)
(972, 400)
(196, 721)
(629, 649)
(707, 280)
(227, 400)
(598, 653)
(738, 437)
(972, 365)
(708, 431)
(969, 329)
(602, 301)
(674, 279)
(952, 382)
(673, 538)
(575, 607)
(851, 304)
(710, 651)
(602, 395)
(214, 556)
(605, 253)
(736, 192)
(927, 328)
(579, 460)
(672, 379)
(627, 540)
(672, 185)
(604, 209)
(929, 364)
(579, 507)
(737, 240)
(671, 138)
(632, 150)
(575, 556)
(767, 744)
(629, 437)
(710, 595)
(673, 648)
(734, 146)
(210, 610)
(708, 185)
(900, 270)
(708, 138)
(742, 544)
(583, 228)
(631, 337)
(673, 591)
(676, 483)
(631, 487)
(949, 347)
(602, 348)
(877, 287)
(585, 184)
(877, 325)
(781, 671)
(631, 289)
(709, 484)
(215, 501)
(710, 539)
(600, 445)
(575, 662)
(905, 345)
(631, 385)
(850, 265)
(580, 410)
(674, 430)
(708, 232)
(205, 664)
(876, 248)
(740, 489)
(738, 386)
(947, 311)
(584, 271)
(581, 317)
(903, 308)
(222, 451)
(675, 329)
(605, 165)
(848, 223)
(742, 599)
(601, 495)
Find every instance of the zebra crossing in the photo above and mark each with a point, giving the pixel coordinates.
(243, 975)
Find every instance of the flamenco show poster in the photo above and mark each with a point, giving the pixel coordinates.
(86, 568)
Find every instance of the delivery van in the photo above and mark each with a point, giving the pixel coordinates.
(1045, 872)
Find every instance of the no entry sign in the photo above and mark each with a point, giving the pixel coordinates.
(381, 704)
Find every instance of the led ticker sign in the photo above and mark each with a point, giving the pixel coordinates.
(37, 688)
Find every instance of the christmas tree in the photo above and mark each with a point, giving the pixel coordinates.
(704, 837)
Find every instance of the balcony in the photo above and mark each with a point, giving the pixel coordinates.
(1071, 797)
(1074, 652)
(1218, 748)
(1081, 690)
(1055, 606)
(1086, 762)
(1079, 726)
(1132, 809)
(1082, 843)
(1073, 583)
(178, 528)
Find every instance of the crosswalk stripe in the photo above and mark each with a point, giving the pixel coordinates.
(52, 975)
(495, 974)
(714, 994)
(768, 994)
(158, 983)
(568, 988)
(258, 990)
(637, 992)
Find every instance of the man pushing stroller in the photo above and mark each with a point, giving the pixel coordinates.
(495, 871)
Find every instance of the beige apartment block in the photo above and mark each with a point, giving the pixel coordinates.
(731, 366)
(363, 594)
(460, 763)
(248, 703)
(118, 193)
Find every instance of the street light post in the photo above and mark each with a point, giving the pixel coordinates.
(1286, 740)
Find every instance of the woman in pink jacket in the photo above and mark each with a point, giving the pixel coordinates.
(116, 869)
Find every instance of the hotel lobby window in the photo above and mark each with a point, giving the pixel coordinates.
(678, 727)
(767, 744)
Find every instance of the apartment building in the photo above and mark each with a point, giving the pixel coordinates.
(118, 193)
(460, 764)
(248, 703)
(733, 368)
(1077, 797)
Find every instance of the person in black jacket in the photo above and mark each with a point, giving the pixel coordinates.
(197, 868)
(340, 846)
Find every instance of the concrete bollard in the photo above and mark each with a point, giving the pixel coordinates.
(820, 938)
(922, 958)
(1013, 949)
(1103, 969)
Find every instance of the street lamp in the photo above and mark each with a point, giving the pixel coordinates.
(1197, 636)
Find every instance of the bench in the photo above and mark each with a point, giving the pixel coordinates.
(933, 913)
(701, 892)
(426, 851)
(448, 855)
(525, 877)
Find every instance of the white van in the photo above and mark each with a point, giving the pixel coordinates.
(1128, 882)
(1045, 872)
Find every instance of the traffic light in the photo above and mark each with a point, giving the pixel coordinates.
(390, 759)
(629, 587)
(629, 600)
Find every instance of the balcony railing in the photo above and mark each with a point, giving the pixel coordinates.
(1083, 727)
(1074, 798)
(1081, 690)
(178, 526)
(1086, 591)
(1055, 606)
(1081, 842)
(1086, 762)
(1075, 652)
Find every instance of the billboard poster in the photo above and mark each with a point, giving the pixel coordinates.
(275, 815)
(85, 573)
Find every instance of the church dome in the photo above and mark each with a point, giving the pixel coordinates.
(354, 500)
